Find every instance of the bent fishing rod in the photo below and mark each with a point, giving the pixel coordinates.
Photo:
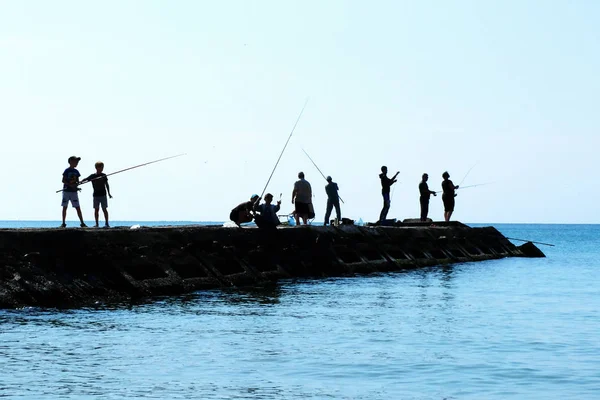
(126, 169)
(281, 154)
(467, 174)
(311, 160)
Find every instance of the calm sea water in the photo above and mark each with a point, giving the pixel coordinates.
(512, 328)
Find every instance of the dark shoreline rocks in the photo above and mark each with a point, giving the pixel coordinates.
(79, 267)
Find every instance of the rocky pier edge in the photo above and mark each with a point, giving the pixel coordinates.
(85, 267)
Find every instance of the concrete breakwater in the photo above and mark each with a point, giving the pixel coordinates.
(78, 267)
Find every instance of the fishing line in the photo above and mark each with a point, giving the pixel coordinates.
(467, 174)
(318, 169)
(286, 143)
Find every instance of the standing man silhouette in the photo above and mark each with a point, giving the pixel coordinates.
(425, 195)
(333, 200)
(386, 183)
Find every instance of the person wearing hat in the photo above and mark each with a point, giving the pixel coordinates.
(448, 195)
(386, 183)
(425, 195)
(70, 182)
(333, 200)
(243, 212)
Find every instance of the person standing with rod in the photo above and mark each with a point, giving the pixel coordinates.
(448, 195)
(425, 195)
(333, 200)
(318, 169)
(386, 183)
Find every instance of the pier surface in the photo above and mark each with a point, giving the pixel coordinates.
(79, 267)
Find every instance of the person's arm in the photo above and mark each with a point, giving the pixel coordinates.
(310, 192)
(278, 206)
(293, 194)
(394, 177)
(86, 179)
(108, 189)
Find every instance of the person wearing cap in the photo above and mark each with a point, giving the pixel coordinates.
(267, 219)
(243, 212)
(386, 183)
(448, 195)
(333, 200)
(302, 199)
(425, 195)
(70, 180)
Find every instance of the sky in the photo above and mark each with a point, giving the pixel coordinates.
(508, 90)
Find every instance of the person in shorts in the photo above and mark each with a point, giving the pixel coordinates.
(70, 180)
(101, 189)
(302, 199)
(448, 195)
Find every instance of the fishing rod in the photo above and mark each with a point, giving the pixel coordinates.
(523, 240)
(286, 143)
(478, 184)
(469, 186)
(311, 160)
(467, 174)
(127, 169)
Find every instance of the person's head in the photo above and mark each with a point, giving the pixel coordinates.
(99, 167)
(73, 161)
(329, 179)
(384, 169)
(301, 175)
(268, 198)
(254, 197)
(425, 177)
(445, 175)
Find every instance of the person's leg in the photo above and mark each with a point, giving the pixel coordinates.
(338, 211)
(105, 210)
(305, 219)
(65, 205)
(423, 211)
(386, 207)
(297, 214)
(80, 215)
(328, 211)
(96, 213)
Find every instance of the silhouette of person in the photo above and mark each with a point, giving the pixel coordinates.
(333, 200)
(425, 195)
(386, 183)
(448, 195)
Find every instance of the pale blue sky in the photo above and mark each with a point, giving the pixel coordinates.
(420, 86)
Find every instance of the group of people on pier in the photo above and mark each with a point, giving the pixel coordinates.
(265, 214)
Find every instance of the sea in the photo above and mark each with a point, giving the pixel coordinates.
(514, 328)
